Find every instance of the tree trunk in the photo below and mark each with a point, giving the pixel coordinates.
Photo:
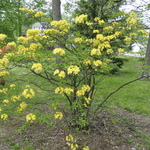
(56, 9)
(146, 70)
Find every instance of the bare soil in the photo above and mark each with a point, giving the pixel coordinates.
(117, 129)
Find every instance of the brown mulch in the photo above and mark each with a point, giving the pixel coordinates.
(116, 129)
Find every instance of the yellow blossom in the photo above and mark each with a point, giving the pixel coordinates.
(120, 50)
(6, 101)
(81, 19)
(109, 51)
(22, 40)
(69, 138)
(95, 31)
(96, 19)
(4, 116)
(62, 74)
(95, 52)
(2, 37)
(59, 90)
(16, 98)
(56, 72)
(59, 51)
(37, 67)
(143, 32)
(4, 90)
(39, 14)
(12, 86)
(78, 40)
(68, 90)
(87, 100)
(74, 146)
(30, 118)
(61, 24)
(28, 93)
(73, 69)
(127, 40)
(4, 61)
(108, 29)
(86, 148)
(97, 63)
(87, 61)
(33, 32)
(58, 115)
(12, 44)
(0, 109)
(23, 105)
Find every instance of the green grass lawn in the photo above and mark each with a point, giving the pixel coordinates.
(135, 96)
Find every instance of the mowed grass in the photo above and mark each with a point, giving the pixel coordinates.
(134, 97)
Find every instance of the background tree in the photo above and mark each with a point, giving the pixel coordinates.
(56, 9)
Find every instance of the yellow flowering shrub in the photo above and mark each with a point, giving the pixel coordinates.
(30, 117)
(70, 61)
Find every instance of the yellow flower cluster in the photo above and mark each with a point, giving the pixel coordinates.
(4, 116)
(143, 32)
(12, 85)
(30, 118)
(81, 19)
(69, 138)
(30, 11)
(109, 51)
(95, 52)
(59, 90)
(100, 37)
(68, 90)
(133, 34)
(6, 101)
(70, 143)
(22, 40)
(86, 148)
(51, 31)
(97, 62)
(58, 115)
(4, 61)
(64, 90)
(59, 51)
(73, 69)
(127, 40)
(4, 90)
(37, 67)
(132, 20)
(78, 40)
(39, 14)
(108, 29)
(61, 74)
(87, 100)
(23, 105)
(95, 31)
(4, 73)
(85, 88)
(33, 32)
(34, 46)
(12, 44)
(120, 50)
(22, 49)
(28, 93)
(2, 37)
(16, 98)
(61, 24)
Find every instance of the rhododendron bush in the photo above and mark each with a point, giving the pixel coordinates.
(69, 61)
